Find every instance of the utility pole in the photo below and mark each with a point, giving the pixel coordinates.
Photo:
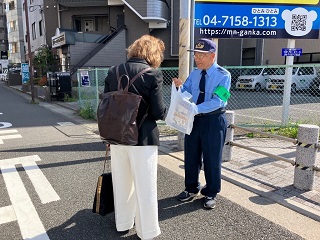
(26, 11)
(184, 55)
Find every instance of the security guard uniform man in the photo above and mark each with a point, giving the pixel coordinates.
(209, 86)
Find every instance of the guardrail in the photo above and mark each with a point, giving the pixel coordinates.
(306, 144)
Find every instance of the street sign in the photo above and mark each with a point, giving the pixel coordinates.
(24, 67)
(25, 77)
(85, 81)
(296, 52)
(4, 55)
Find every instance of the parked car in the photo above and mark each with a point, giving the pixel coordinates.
(276, 78)
(314, 87)
(253, 79)
(235, 73)
(301, 79)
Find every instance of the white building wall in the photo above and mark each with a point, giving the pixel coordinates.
(35, 16)
(15, 35)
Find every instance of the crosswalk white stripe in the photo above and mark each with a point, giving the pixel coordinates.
(9, 137)
(41, 184)
(29, 222)
(7, 214)
(8, 131)
(19, 160)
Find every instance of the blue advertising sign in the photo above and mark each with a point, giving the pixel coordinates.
(292, 52)
(25, 77)
(24, 67)
(256, 21)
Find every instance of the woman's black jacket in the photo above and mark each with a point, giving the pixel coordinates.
(149, 87)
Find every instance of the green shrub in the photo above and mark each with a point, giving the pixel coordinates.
(87, 112)
(67, 98)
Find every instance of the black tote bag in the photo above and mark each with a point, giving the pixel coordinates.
(103, 200)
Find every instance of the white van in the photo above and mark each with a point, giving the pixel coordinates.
(301, 79)
(252, 78)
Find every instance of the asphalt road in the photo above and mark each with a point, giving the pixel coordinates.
(49, 171)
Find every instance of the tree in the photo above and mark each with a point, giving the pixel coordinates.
(43, 60)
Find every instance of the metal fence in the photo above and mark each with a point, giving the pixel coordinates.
(261, 96)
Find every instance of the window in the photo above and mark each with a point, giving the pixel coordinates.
(33, 29)
(12, 26)
(13, 47)
(77, 25)
(11, 5)
(89, 25)
(40, 28)
(248, 56)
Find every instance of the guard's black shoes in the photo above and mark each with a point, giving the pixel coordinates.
(185, 196)
(209, 202)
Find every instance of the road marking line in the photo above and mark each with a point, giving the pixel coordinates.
(65, 123)
(28, 219)
(9, 137)
(5, 124)
(19, 160)
(8, 131)
(7, 214)
(41, 184)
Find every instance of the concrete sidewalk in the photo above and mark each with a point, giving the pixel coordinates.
(262, 175)
(257, 173)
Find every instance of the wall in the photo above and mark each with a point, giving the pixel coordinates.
(50, 20)
(112, 54)
(229, 52)
(80, 50)
(66, 16)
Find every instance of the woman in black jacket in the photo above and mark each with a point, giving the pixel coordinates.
(134, 168)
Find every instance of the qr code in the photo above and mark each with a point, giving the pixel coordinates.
(299, 22)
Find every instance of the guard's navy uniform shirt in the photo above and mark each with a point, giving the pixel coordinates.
(216, 76)
(207, 137)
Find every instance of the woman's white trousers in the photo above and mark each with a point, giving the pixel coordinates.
(134, 176)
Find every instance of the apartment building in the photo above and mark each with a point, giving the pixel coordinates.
(96, 33)
(13, 12)
(3, 38)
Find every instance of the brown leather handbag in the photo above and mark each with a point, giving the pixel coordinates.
(117, 113)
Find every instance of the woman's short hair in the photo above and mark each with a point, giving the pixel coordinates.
(149, 48)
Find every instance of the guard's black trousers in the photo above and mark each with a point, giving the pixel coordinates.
(205, 141)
